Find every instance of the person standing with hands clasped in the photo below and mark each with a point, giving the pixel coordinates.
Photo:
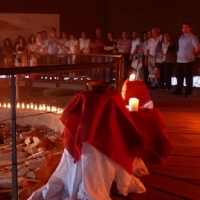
(165, 57)
(188, 47)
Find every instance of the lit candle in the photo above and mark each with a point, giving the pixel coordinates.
(132, 77)
(9, 106)
(23, 105)
(48, 108)
(31, 105)
(0, 105)
(36, 107)
(133, 104)
(4, 105)
(59, 111)
(27, 106)
(40, 107)
(43, 107)
(18, 105)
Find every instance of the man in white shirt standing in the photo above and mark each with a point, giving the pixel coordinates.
(188, 47)
(52, 48)
(135, 45)
(84, 43)
(150, 56)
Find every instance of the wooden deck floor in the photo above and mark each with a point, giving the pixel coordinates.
(180, 177)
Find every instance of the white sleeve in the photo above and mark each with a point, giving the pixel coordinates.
(195, 41)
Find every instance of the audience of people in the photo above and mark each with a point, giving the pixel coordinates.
(155, 53)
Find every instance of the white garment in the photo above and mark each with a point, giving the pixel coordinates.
(139, 72)
(52, 45)
(84, 45)
(61, 47)
(73, 46)
(41, 47)
(135, 43)
(90, 178)
(152, 43)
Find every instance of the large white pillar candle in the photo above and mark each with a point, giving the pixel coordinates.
(133, 104)
(132, 77)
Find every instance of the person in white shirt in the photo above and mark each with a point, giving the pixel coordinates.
(135, 45)
(150, 56)
(45, 38)
(41, 49)
(72, 46)
(84, 43)
(84, 48)
(52, 48)
(62, 59)
(188, 48)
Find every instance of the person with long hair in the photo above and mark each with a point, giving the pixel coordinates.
(8, 52)
(32, 49)
(21, 50)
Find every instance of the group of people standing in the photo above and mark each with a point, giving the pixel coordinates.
(157, 55)
(154, 52)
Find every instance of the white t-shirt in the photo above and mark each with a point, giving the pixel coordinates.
(84, 45)
(61, 47)
(52, 45)
(41, 47)
(135, 43)
(73, 46)
(152, 43)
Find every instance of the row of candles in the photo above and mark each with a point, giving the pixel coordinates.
(32, 106)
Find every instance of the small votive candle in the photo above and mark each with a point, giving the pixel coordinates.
(27, 106)
(23, 105)
(9, 106)
(31, 105)
(4, 105)
(132, 77)
(48, 108)
(40, 107)
(133, 104)
(0, 105)
(35, 107)
(18, 105)
(43, 107)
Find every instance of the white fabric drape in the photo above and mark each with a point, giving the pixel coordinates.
(90, 178)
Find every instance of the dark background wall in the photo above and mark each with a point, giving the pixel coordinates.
(115, 15)
(144, 14)
(75, 15)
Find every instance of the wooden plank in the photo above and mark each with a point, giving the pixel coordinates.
(177, 172)
(184, 137)
(173, 186)
(186, 151)
(154, 194)
(151, 193)
(183, 161)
